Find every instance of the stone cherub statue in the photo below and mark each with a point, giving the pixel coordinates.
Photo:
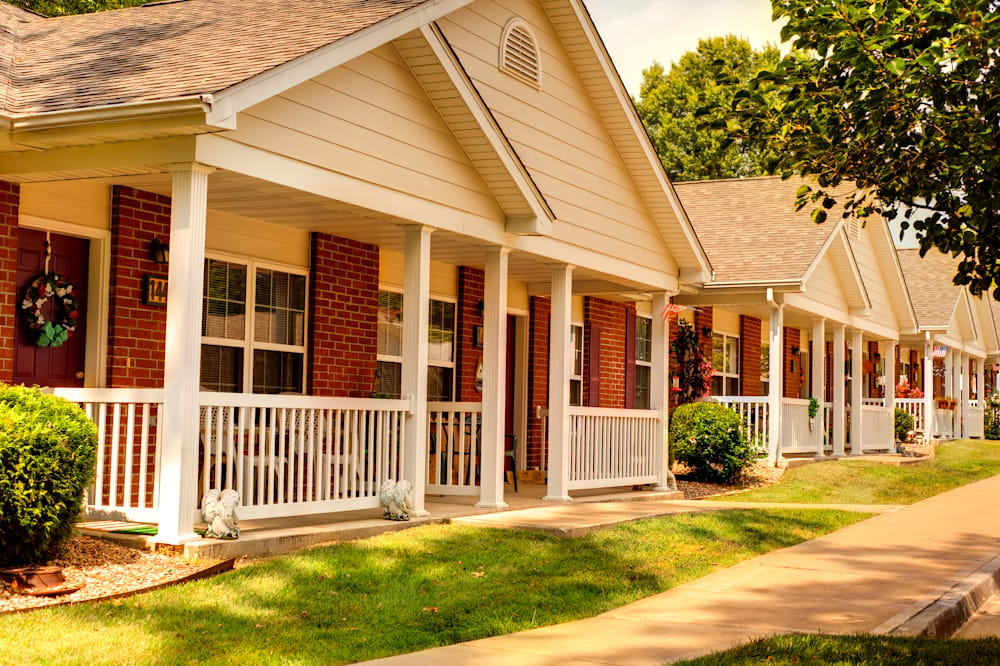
(219, 511)
(395, 497)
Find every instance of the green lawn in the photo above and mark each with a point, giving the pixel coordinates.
(856, 650)
(420, 588)
(857, 482)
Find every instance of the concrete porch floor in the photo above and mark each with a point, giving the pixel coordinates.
(261, 538)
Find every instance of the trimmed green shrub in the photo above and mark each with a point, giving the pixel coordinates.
(711, 440)
(904, 424)
(47, 452)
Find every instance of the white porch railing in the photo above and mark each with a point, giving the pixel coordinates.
(297, 455)
(613, 447)
(754, 411)
(795, 433)
(454, 446)
(877, 428)
(126, 482)
(915, 408)
(873, 402)
(974, 423)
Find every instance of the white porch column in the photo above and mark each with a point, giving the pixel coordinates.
(962, 413)
(179, 456)
(888, 375)
(818, 377)
(949, 387)
(560, 364)
(930, 425)
(838, 398)
(659, 390)
(981, 382)
(494, 379)
(413, 375)
(857, 378)
(776, 383)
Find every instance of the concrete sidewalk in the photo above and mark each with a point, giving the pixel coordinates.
(917, 569)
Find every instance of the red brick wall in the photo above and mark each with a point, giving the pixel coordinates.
(538, 375)
(343, 302)
(136, 332)
(874, 390)
(610, 318)
(10, 201)
(471, 287)
(750, 349)
(792, 377)
(704, 321)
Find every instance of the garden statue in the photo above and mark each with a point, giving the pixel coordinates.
(395, 497)
(219, 511)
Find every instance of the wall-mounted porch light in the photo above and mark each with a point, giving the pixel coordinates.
(159, 251)
(706, 331)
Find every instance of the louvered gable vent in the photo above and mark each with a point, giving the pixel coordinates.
(519, 53)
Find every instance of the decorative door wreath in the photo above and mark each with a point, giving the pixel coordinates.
(50, 333)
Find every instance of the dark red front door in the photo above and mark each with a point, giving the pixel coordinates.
(50, 366)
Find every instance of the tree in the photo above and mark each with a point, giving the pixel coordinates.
(705, 78)
(66, 7)
(900, 98)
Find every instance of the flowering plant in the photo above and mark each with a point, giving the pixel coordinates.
(904, 390)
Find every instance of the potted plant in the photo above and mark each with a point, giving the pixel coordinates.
(813, 410)
(946, 402)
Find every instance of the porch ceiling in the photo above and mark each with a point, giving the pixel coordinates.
(248, 197)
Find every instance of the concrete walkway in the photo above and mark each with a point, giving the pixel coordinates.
(919, 569)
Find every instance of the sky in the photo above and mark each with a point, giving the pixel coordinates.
(637, 32)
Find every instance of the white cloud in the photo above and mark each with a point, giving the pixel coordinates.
(637, 32)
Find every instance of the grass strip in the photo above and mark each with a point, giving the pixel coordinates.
(859, 650)
(858, 482)
(420, 588)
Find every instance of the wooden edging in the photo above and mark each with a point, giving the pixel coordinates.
(208, 572)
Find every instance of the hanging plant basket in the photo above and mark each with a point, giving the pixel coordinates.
(44, 332)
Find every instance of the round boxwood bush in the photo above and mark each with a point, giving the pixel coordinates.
(47, 452)
(904, 424)
(711, 440)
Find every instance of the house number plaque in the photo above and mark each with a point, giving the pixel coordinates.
(156, 291)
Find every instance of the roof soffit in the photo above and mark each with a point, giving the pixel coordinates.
(584, 46)
(444, 81)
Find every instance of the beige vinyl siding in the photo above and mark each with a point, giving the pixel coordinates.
(234, 234)
(559, 136)
(83, 202)
(443, 277)
(726, 321)
(370, 119)
(871, 266)
(824, 285)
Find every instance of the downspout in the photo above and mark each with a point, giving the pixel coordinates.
(776, 384)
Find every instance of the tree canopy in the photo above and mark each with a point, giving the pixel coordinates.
(66, 7)
(705, 78)
(901, 98)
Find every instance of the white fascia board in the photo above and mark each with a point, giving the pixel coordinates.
(874, 329)
(554, 251)
(243, 95)
(628, 109)
(542, 223)
(889, 250)
(24, 127)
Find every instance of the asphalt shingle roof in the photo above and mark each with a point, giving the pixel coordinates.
(750, 229)
(929, 281)
(166, 50)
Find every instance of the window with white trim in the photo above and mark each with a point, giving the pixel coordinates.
(643, 360)
(726, 364)
(440, 352)
(260, 349)
(576, 371)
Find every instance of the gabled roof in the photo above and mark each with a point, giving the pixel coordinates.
(170, 49)
(933, 293)
(751, 231)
